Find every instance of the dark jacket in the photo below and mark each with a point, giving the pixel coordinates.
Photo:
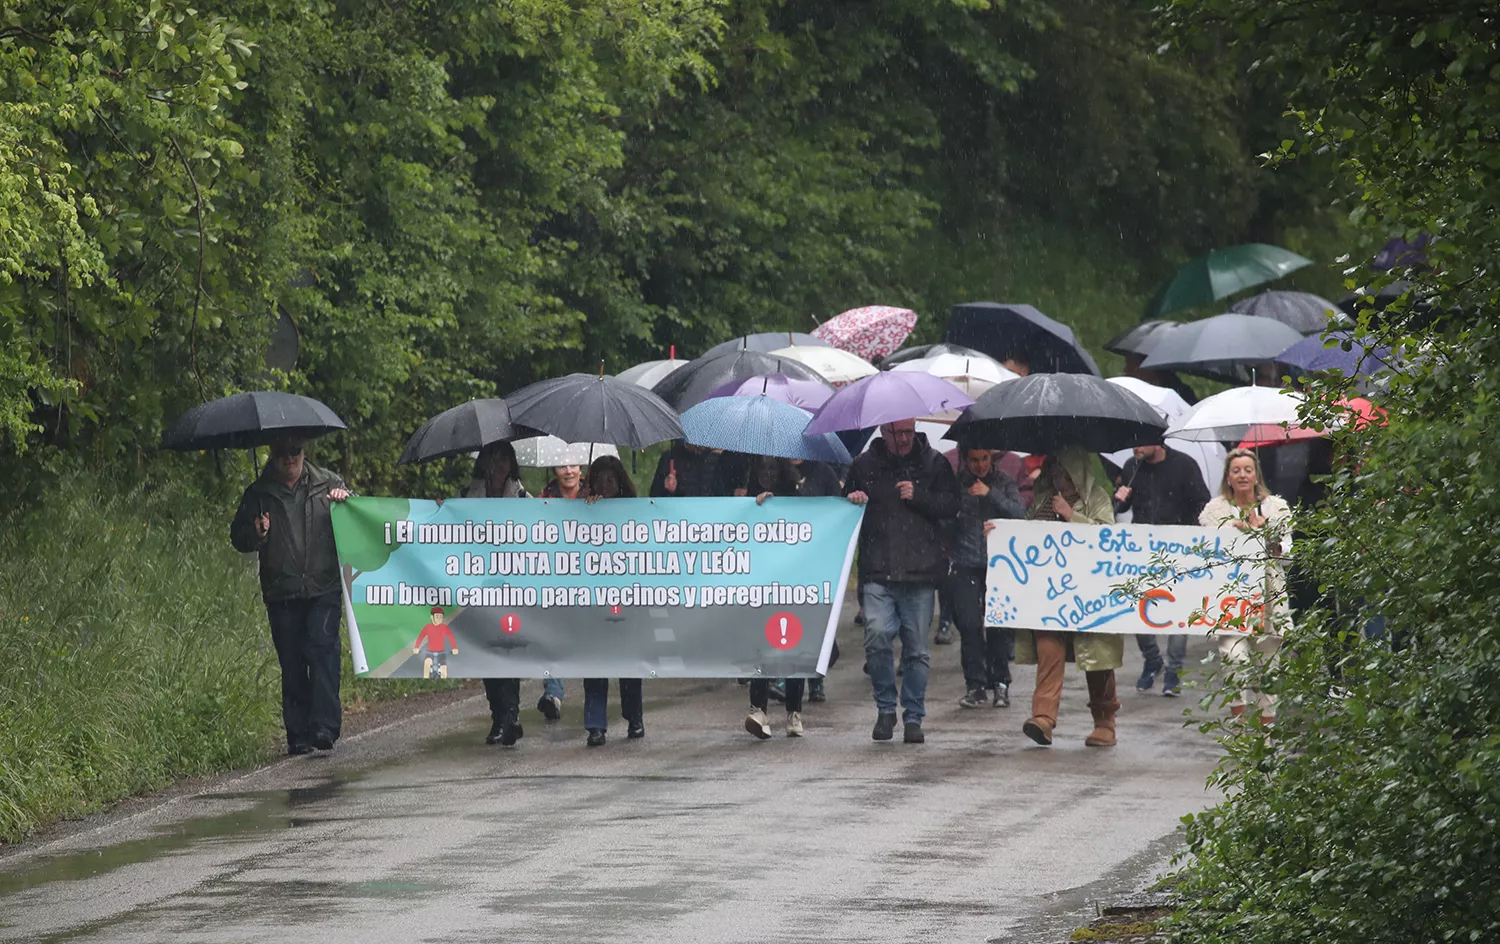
(819, 480)
(297, 557)
(904, 541)
(699, 474)
(1167, 492)
(1003, 501)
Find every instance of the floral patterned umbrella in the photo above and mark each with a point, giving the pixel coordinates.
(872, 332)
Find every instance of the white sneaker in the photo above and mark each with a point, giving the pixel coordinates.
(794, 724)
(758, 724)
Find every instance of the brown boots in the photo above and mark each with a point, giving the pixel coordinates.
(1103, 704)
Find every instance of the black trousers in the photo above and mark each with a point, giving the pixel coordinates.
(505, 699)
(760, 693)
(306, 634)
(983, 650)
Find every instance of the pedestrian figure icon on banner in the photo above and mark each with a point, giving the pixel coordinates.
(438, 641)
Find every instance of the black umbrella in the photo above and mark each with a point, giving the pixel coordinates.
(929, 350)
(1050, 413)
(467, 427)
(1224, 347)
(583, 408)
(688, 386)
(1019, 331)
(247, 420)
(766, 341)
(1304, 312)
(1140, 339)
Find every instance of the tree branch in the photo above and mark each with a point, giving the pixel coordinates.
(202, 261)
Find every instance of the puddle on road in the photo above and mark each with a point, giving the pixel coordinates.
(272, 810)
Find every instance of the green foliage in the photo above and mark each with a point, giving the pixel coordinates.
(1369, 815)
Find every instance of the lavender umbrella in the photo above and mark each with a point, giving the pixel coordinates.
(1347, 356)
(807, 394)
(884, 398)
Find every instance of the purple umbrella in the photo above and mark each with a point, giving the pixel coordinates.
(807, 394)
(1347, 356)
(884, 398)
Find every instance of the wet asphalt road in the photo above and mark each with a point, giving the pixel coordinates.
(698, 833)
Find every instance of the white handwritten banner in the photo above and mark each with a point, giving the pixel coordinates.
(1064, 577)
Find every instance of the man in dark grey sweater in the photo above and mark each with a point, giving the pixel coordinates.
(985, 493)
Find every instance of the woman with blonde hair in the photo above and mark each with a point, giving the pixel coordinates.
(1246, 504)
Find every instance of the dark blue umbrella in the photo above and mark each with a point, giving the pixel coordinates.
(1019, 331)
(1340, 352)
(759, 426)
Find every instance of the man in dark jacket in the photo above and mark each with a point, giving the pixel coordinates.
(1161, 486)
(911, 500)
(688, 471)
(986, 493)
(284, 516)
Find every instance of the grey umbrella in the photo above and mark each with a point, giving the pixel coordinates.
(767, 341)
(1304, 312)
(929, 350)
(247, 420)
(1049, 413)
(691, 385)
(1140, 339)
(465, 428)
(1224, 347)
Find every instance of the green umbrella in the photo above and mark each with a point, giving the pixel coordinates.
(1221, 273)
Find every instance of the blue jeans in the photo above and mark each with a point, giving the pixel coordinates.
(553, 687)
(1176, 652)
(596, 702)
(904, 608)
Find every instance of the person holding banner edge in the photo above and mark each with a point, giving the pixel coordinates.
(911, 498)
(1068, 491)
(567, 482)
(986, 493)
(608, 479)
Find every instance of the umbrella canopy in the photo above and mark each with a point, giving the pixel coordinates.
(465, 428)
(972, 375)
(1019, 331)
(549, 452)
(584, 408)
(807, 394)
(929, 350)
(247, 420)
(1221, 273)
(1302, 311)
(1340, 352)
(1140, 339)
(1356, 410)
(1049, 413)
(1171, 407)
(649, 373)
(872, 332)
(884, 398)
(766, 341)
(759, 426)
(1225, 346)
(836, 366)
(702, 376)
(1231, 415)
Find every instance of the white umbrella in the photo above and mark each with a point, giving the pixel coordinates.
(648, 373)
(836, 366)
(1229, 416)
(1170, 405)
(546, 452)
(972, 375)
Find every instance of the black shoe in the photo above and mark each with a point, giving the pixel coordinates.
(914, 733)
(636, 730)
(885, 727)
(943, 637)
(550, 707)
(816, 694)
(496, 730)
(596, 737)
(323, 741)
(297, 750)
(511, 735)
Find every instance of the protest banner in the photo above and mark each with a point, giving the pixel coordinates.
(1065, 577)
(664, 588)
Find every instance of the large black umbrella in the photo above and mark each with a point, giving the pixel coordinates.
(1302, 311)
(1140, 339)
(1050, 413)
(1224, 347)
(688, 386)
(766, 341)
(467, 427)
(247, 420)
(1019, 331)
(592, 408)
(929, 350)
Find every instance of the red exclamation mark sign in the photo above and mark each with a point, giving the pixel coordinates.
(511, 623)
(784, 630)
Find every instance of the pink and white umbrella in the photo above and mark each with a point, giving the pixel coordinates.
(872, 332)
